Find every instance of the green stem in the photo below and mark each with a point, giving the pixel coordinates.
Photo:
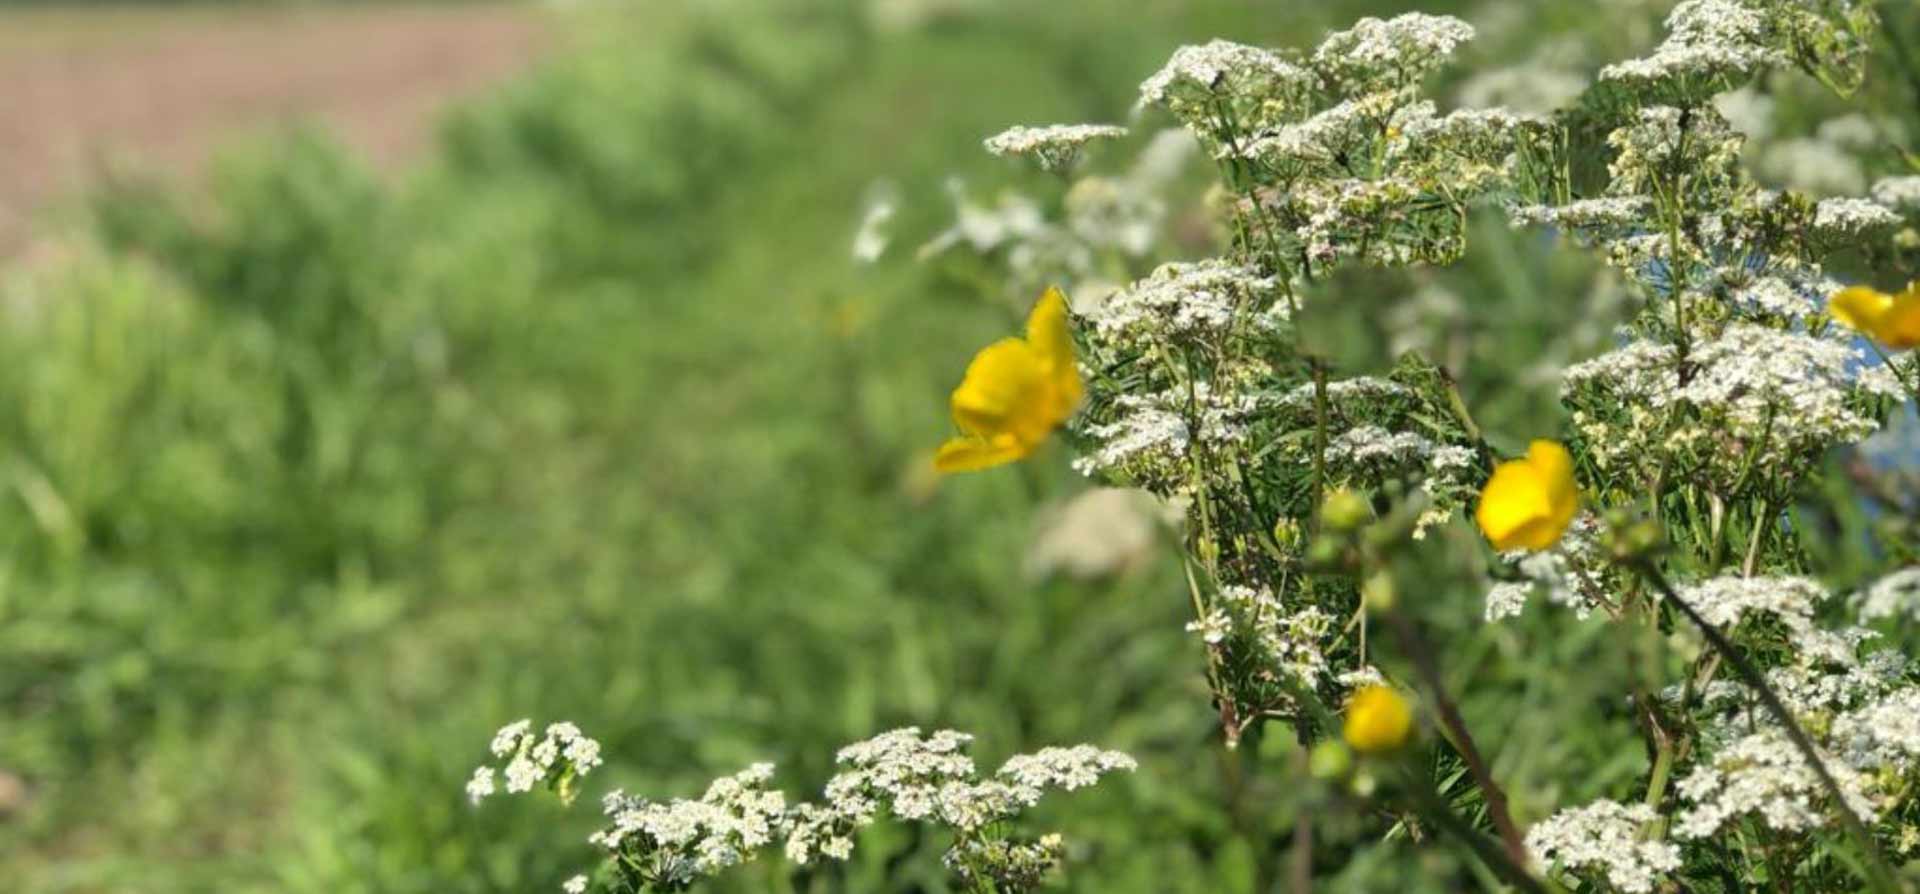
(1662, 768)
(1502, 862)
(1456, 728)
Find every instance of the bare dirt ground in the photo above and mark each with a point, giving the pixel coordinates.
(163, 88)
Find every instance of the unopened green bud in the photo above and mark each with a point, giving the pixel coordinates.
(1331, 759)
(1631, 539)
(1378, 591)
(1345, 510)
(1286, 532)
(1364, 784)
(1325, 554)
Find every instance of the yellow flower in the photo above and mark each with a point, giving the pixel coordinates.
(1016, 392)
(1378, 720)
(1529, 502)
(1892, 320)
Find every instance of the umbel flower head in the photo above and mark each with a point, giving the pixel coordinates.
(1378, 720)
(1016, 392)
(1529, 501)
(1892, 320)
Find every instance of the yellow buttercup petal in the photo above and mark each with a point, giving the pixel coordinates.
(1378, 720)
(1860, 307)
(1529, 502)
(1000, 384)
(1015, 392)
(974, 454)
(1514, 499)
(1052, 339)
(1900, 326)
(1555, 466)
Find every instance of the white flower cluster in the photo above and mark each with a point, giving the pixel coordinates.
(870, 238)
(1896, 595)
(1005, 864)
(1570, 574)
(1823, 678)
(670, 845)
(1393, 52)
(1883, 738)
(1369, 455)
(1898, 193)
(1148, 441)
(1789, 296)
(1323, 137)
(1728, 600)
(675, 843)
(558, 757)
(932, 778)
(1297, 131)
(1847, 218)
(1763, 775)
(1365, 445)
(1756, 395)
(1606, 213)
(1012, 219)
(1348, 394)
(1185, 302)
(1198, 80)
(1605, 838)
(1068, 768)
(1286, 640)
(1109, 222)
(1055, 147)
(1863, 713)
(1708, 42)
(1664, 139)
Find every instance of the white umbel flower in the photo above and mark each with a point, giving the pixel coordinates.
(1896, 595)
(1763, 775)
(1898, 193)
(1391, 52)
(1844, 218)
(1054, 147)
(1604, 839)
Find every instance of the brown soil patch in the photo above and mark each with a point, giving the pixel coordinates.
(163, 88)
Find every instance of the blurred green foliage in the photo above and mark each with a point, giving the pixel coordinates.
(309, 481)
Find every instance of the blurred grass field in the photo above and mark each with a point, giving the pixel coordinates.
(309, 480)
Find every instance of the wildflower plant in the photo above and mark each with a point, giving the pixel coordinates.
(1777, 717)
(1736, 378)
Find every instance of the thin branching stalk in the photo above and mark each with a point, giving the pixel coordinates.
(1504, 862)
(1880, 876)
(1456, 728)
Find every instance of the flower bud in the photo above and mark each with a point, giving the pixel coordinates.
(1330, 759)
(1378, 591)
(1632, 539)
(1378, 720)
(1345, 510)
